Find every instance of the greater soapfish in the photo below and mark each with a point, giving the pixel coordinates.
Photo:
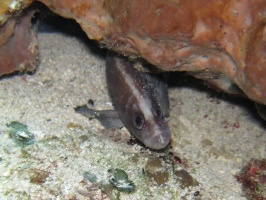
(140, 100)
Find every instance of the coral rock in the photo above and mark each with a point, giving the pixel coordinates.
(18, 44)
(222, 42)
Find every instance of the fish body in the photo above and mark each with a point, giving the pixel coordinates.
(137, 102)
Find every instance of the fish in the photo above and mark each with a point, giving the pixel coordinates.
(140, 100)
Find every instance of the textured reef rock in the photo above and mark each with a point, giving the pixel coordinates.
(253, 179)
(222, 42)
(18, 41)
(20, 51)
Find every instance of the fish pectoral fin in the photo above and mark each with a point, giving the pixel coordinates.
(108, 118)
(110, 121)
(85, 111)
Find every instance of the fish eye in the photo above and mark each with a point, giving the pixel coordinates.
(138, 121)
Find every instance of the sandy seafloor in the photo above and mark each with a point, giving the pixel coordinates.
(213, 135)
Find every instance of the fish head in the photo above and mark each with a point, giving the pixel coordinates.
(150, 127)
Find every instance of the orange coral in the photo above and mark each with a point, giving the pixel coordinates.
(222, 42)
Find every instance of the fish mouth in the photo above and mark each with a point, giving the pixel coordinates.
(158, 141)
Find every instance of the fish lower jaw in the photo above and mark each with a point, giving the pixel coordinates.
(158, 142)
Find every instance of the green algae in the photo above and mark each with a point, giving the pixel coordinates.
(157, 171)
(20, 134)
(119, 179)
(185, 179)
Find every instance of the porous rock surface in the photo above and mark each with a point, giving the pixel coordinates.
(222, 42)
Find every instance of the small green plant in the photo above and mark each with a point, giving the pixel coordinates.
(119, 179)
(20, 134)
